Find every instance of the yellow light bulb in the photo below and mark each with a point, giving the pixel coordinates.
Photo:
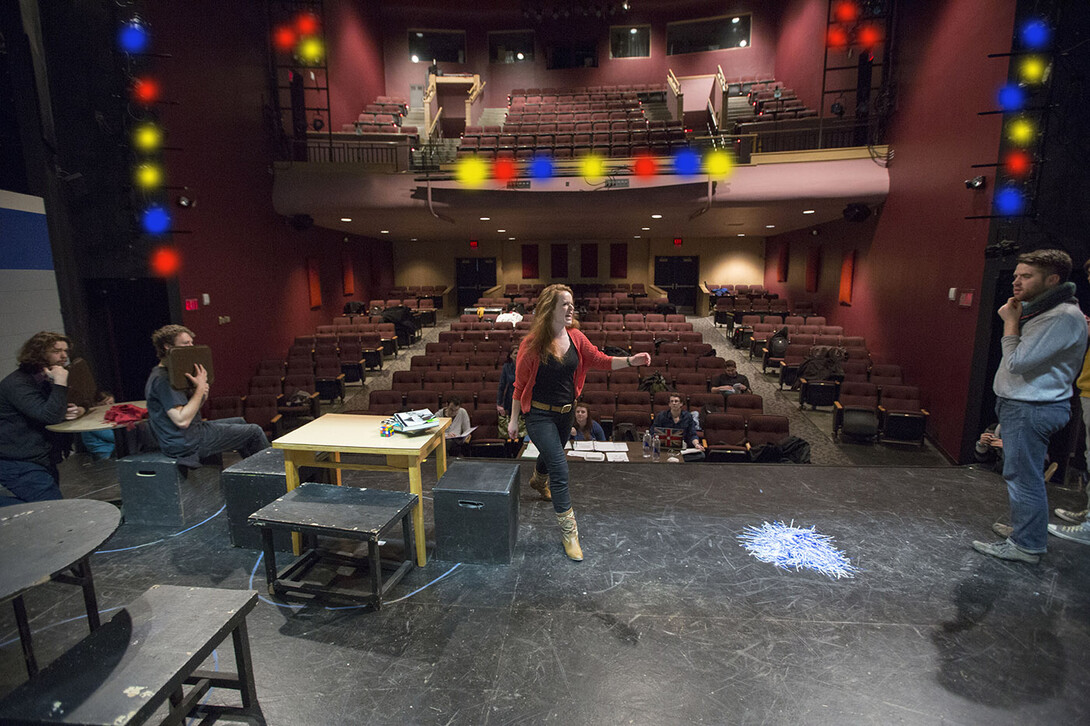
(1032, 69)
(147, 137)
(471, 171)
(148, 176)
(1021, 131)
(311, 50)
(592, 167)
(718, 164)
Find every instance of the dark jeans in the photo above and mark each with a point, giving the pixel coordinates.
(28, 482)
(228, 434)
(550, 431)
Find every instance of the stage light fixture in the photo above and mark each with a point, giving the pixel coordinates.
(718, 164)
(284, 39)
(1032, 70)
(1021, 131)
(471, 171)
(503, 170)
(148, 176)
(156, 220)
(686, 163)
(311, 50)
(869, 36)
(165, 261)
(1035, 34)
(145, 90)
(1009, 201)
(1012, 97)
(541, 168)
(646, 166)
(837, 37)
(837, 109)
(846, 11)
(147, 137)
(1017, 163)
(307, 23)
(977, 182)
(132, 36)
(592, 167)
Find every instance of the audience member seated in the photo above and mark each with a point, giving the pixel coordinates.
(100, 444)
(730, 380)
(584, 428)
(175, 416)
(677, 417)
(510, 314)
(458, 433)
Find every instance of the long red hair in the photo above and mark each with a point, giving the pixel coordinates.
(540, 340)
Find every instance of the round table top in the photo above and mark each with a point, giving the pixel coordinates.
(93, 420)
(41, 539)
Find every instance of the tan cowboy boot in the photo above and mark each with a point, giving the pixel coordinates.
(540, 484)
(570, 533)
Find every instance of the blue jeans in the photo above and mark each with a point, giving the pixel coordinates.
(1025, 429)
(550, 431)
(28, 482)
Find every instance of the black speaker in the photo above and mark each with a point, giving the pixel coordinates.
(856, 212)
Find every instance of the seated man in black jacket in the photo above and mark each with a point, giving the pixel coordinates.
(676, 417)
(31, 398)
(730, 380)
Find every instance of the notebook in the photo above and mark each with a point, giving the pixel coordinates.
(182, 360)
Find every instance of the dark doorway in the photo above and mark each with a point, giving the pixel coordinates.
(123, 315)
(474, 275)
(679, 277)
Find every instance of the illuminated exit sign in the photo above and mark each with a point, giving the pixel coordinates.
(191, 304)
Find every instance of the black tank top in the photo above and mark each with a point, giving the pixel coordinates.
(555, 382)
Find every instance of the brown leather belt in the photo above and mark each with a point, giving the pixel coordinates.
(546, 407)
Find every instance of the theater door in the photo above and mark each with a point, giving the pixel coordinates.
(679, 277)
(474, 275)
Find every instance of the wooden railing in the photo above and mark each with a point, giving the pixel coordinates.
(679, 97)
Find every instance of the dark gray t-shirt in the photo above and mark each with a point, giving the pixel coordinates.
(175, 442)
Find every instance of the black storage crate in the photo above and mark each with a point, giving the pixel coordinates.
(251, 484)
(151, 490)
(477, 512)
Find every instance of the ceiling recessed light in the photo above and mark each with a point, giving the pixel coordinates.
(501, 230)
(384, 231)
(346, 219)
(808, 211)
(512, 239)
(413, 239)
(741, 234)
(485, 219)
(742, 43)
(770, 226)
(635, 236)
(646, 229)
(656, 216)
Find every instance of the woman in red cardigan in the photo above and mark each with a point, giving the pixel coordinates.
(550, 371)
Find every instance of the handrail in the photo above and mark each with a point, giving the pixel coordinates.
(721, 77)
(434, 122)
(475, 92)
(430, 90)
(673, 82)
(715, 117)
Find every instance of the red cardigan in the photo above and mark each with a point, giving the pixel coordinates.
(526, 367)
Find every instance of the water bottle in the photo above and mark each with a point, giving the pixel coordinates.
(656, 448)
(647, 444)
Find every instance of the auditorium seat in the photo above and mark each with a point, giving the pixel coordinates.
(855, 411)
(725, 437)
(762, 429)
(903, 419)
(745, 404)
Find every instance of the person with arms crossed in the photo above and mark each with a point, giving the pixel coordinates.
(551, 368)
(1044, 340)
(175, 416)
(32, 397)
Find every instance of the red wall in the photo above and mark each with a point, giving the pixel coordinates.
(921, 244)
(800, 49)
(241, 253)
(357, 73)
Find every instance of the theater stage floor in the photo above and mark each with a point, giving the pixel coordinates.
(669, 620)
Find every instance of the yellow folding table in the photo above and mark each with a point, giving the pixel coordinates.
(337, 434)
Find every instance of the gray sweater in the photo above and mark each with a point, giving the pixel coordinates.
(1040, 365)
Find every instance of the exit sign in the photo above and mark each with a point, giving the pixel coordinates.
(191, 303)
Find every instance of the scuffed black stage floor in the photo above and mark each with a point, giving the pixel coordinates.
(669, 620)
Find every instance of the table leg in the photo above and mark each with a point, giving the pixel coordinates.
(416, 487)
(244, 666)
(374, 564)
(337, 471)
(291, 481)
(268, 545)
(441, 458)
(24, 636)
(90, 602)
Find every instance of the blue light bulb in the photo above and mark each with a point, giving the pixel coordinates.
(1012, 98)
(132, 37)
(156, 220)
(687, 163)
(1035, 34)
(541, 168)
(1009, 201)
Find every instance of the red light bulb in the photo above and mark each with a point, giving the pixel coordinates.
(504, 170)
(307, 23)
(846, 11)
(1017, 163)
(837, 38)
(869, 36)
(165, 261)
(145, 91)
(284, 39)
(646, 166)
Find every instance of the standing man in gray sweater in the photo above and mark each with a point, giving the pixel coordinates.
(1044, 339)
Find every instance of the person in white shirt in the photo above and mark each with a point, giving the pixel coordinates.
(458, 433)
(509, 315)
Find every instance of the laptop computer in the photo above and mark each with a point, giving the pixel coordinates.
(671, 438)
(182, 360)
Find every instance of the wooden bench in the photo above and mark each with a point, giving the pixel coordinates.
(124, 671)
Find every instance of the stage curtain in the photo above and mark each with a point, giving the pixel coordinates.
(314, 283)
